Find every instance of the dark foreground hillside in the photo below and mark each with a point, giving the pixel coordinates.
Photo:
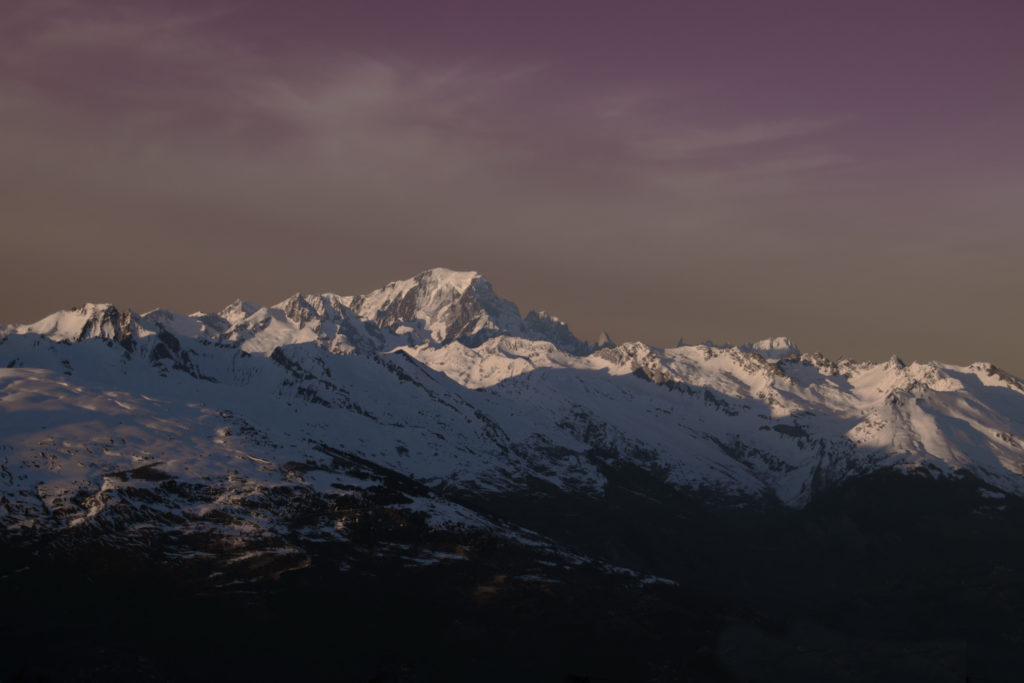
(885, 578)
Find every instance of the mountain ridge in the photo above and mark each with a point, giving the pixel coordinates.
(494, 316)
(438, 379)
(427, 436)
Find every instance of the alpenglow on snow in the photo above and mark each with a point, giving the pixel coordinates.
(438, 381)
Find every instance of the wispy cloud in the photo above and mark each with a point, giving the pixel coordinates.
(392, 118)
(164, 111)
(686, 142)
(60, 28)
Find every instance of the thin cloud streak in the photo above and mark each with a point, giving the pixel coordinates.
(453, 113)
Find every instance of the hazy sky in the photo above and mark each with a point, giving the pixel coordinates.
(849, 174)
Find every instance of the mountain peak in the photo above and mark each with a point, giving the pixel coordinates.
(238, 310)
(457, 279)
(304, 308)
(441, 305)
(445, 304)
(772, 348)
(90, 320)
(895, 363)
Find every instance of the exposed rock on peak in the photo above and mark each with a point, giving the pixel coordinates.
(895, 363)
(89, 321)
(299, 310)
(439, 306)
(541, 325)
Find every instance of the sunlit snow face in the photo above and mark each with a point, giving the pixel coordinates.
(234, 399)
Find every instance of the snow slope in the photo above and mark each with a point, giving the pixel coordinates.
(216, 424)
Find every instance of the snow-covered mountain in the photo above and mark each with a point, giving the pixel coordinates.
(436, 307)
(263, 426)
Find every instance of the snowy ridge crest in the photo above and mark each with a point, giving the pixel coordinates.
(442, 380)
(437, 307)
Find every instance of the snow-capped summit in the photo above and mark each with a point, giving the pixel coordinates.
(237, 311)
(436, 307)
(773, 348)
(89, 321)
(439, 306)
(895, 363)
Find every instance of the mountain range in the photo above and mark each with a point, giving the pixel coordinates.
(428, 420)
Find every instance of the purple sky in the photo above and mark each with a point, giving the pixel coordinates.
(848, 174)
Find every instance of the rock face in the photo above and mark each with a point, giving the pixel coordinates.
(91, 321)
(446, 305)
